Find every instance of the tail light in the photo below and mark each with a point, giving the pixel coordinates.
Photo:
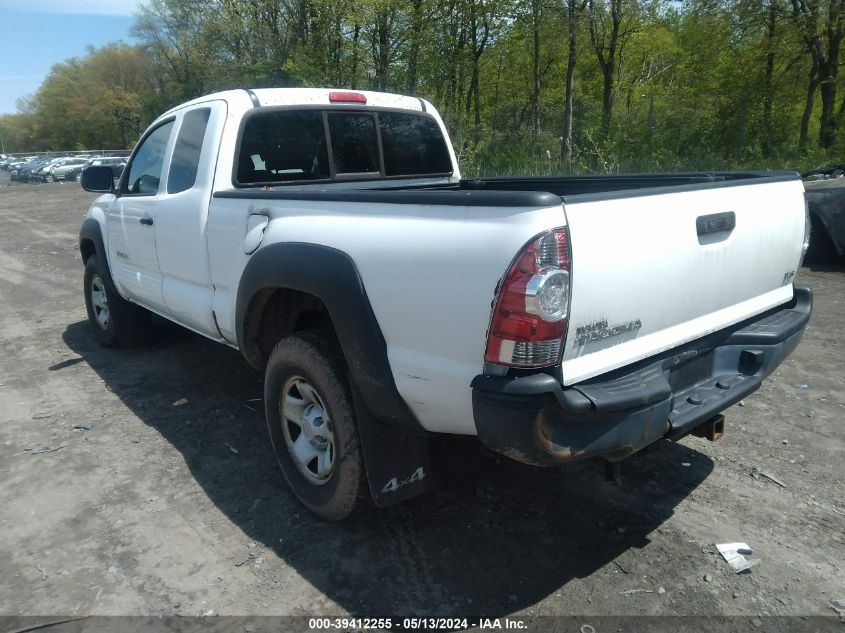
(530, 318)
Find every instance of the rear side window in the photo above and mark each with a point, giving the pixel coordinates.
(413, 145)
(186, 153)
(146, 167)
(354, 143)
(283, 145)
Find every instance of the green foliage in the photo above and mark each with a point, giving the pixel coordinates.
(699, 84)
(102, 100)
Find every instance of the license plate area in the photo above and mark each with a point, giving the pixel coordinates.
(691, 373)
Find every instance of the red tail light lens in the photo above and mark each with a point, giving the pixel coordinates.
(530, 318)
(347, 97)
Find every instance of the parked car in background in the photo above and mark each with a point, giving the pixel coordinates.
(26, 173)
(60, 169)
(115, 163)
(20, 171)
(825, 194)
(39, 170)
(15, 166)
(74, 173)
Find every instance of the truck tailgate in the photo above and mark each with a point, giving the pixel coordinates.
(654, 270)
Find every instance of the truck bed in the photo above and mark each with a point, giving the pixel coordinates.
(658, 260)
(624, 185)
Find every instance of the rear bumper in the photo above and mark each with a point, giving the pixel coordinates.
(534, 419)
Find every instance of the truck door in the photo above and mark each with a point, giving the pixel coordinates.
(132, 217)
(180, 229)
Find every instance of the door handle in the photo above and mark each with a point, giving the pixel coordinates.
(147, 221)
(715, 223)
(714, 228)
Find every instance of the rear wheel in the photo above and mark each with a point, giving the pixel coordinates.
(115, 321)
(311, 421)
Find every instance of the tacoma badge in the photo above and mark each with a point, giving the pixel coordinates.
(600, 330)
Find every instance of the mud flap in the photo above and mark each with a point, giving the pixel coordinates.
(396, 459)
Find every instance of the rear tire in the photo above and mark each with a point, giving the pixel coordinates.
(115, 321)
(311, 422)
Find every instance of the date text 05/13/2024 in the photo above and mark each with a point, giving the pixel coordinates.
(423, 624)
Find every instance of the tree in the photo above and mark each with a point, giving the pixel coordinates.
(163, 26)
(610, 27)
(99, 100)
(821, 25)
(415, 38)
(634, 84)
(536, 77)
(573, 10)
(480, 20)
(773, 12)
(382, 29)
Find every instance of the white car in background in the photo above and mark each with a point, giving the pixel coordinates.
(59, 169)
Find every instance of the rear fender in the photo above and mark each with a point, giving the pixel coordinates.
(394, 443)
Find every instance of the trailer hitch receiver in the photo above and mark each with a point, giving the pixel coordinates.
(713, 429)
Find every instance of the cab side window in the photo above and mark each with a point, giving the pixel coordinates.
(148, 162)
(186, 154)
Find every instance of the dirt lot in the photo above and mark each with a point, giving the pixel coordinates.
(171, 503)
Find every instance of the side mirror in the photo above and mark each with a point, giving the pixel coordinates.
(98, 179)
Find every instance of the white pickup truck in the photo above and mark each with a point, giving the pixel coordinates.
(329, 237)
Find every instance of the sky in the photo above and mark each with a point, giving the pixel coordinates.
(35, 34)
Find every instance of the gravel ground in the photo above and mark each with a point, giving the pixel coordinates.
(160, 496)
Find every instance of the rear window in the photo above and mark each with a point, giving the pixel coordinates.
(413, 145)
(281, 145)
(354, 143)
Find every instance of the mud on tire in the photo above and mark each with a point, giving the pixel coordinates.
(309, 412)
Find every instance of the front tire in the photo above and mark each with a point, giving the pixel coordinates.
(311, 422)
(115, 321)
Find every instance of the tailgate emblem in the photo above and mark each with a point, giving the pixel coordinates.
(600, 330)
